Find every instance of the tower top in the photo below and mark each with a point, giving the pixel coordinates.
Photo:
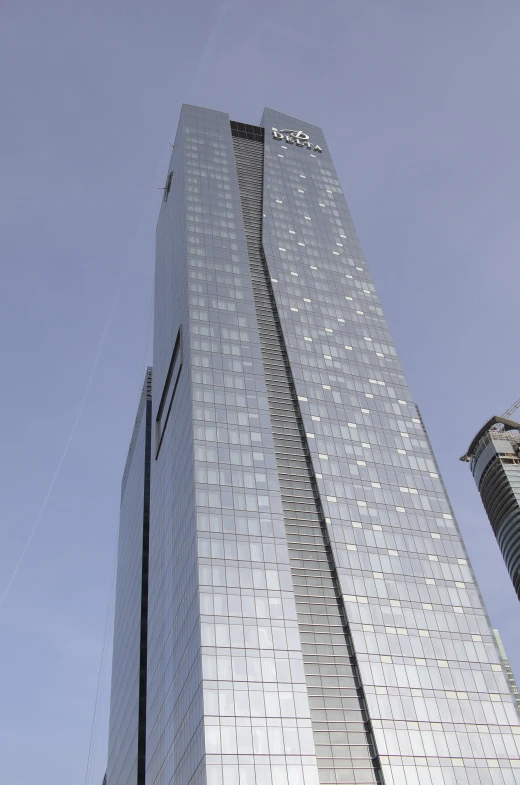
(509, 425)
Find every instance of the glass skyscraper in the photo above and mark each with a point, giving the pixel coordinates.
(312, 615)
(508, 669)
(494, 459)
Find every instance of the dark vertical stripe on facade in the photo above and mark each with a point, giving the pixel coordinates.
(344, 741)
(141, 736)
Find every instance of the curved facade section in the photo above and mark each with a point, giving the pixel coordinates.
(495, 465)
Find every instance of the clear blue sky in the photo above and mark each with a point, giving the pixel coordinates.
(419, 103)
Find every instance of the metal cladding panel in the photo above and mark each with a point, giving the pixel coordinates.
(480, 465)
(435, 687)
(503, 446)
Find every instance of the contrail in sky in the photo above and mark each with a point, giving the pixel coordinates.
(210, 41)
(92, 374)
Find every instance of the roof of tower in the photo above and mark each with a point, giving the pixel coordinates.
(509, 425)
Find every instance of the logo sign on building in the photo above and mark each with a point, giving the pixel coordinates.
(299, 138)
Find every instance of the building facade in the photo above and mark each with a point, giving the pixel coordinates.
(127, 726)
(312, 614)
(509, 671)
(494, 458)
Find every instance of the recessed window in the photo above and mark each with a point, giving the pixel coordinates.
(170, 387)
(168, 186)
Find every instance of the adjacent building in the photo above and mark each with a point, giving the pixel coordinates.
(312, 614)
(494, 458)
(127, 727)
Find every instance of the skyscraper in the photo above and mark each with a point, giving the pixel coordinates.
(494, 458)
(508, 669)
(312, 615)
(127, 728)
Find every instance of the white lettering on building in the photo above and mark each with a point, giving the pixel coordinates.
(299, 138)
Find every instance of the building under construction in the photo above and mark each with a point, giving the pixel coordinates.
(494, 458)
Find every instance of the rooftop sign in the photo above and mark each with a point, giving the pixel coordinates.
(299, 138)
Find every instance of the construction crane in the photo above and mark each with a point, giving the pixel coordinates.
(507, 415)
(512, 409)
